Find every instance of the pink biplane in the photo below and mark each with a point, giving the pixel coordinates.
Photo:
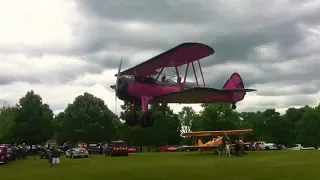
(141, 85)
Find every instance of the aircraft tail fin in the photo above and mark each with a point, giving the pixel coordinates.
(235, 83)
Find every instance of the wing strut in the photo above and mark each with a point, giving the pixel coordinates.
(179, 78)
(185, 74)
(195, 74)
(159, 73)
(204, 83)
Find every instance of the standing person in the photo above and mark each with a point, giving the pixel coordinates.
(100, 149)
(241, 147)
(55, 156)
(24, 151)
(219, 149)
(14, 151)
(227, 149)
(50, 153)
(236, 148)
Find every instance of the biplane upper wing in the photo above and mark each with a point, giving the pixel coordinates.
(197, 95)
(218, 133)
(177, 56)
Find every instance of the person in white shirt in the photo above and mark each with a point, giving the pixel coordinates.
(227, 149)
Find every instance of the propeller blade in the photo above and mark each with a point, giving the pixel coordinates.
(116, 86)
(118, 75)
(115, 104)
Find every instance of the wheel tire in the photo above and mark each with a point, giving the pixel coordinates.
(234, 106)
(85, 156)
(132, 118)
(146, 120)
(267, 148)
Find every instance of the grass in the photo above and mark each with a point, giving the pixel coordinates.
(275, 165)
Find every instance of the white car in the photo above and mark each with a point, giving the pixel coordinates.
(300, 147)
(265, 146)
(77, 152)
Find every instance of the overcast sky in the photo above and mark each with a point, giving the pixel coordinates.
(63, 48)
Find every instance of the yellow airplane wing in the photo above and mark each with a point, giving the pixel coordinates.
(218, 133)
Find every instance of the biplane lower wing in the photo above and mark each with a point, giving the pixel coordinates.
(200, 147)
(200, 95)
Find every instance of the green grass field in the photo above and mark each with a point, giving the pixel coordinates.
(275, 165)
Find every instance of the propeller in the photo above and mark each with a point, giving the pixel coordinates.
(115, 87)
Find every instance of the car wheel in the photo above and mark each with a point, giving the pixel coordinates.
(86, 156)
(267, 148)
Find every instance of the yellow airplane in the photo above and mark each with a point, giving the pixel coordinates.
(215, 142)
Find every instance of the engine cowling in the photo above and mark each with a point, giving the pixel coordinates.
(122, 87)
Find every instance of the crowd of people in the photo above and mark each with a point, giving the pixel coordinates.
(238, 147)
(19, 151)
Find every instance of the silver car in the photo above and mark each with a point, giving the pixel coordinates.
(77, 152)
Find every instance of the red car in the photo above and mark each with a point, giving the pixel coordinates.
(119, 148)
(166, 149)
(132, 149)
(6, 154)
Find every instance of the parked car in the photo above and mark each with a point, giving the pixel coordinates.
(261, 145)
(300, 147)
(77, 152)
(66, 146)
(132, 149)
(6, 154)
(82, 145)
(166, 149)
(117, 148)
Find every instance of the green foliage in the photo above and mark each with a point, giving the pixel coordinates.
(32, 123)
(88, 119)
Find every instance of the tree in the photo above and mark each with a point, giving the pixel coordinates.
(308, 133)
(33, 120)
(7, 116)
(87, 119)
(186, 117)
(167, 127)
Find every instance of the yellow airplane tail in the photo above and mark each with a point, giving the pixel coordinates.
(200, 142)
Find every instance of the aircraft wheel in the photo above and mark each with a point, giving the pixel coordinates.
(146, 120)
(132, 118)
(234, 106)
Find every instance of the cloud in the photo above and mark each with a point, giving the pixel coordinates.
(62, 49)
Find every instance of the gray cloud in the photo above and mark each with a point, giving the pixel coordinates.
(151, 11)
(107, 32)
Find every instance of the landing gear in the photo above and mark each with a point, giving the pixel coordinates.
(146, 119)
(233, 106)
(132, 117)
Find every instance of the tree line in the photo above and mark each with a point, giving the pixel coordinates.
(88, 119)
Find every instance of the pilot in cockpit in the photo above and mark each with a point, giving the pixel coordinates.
(163, 78)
